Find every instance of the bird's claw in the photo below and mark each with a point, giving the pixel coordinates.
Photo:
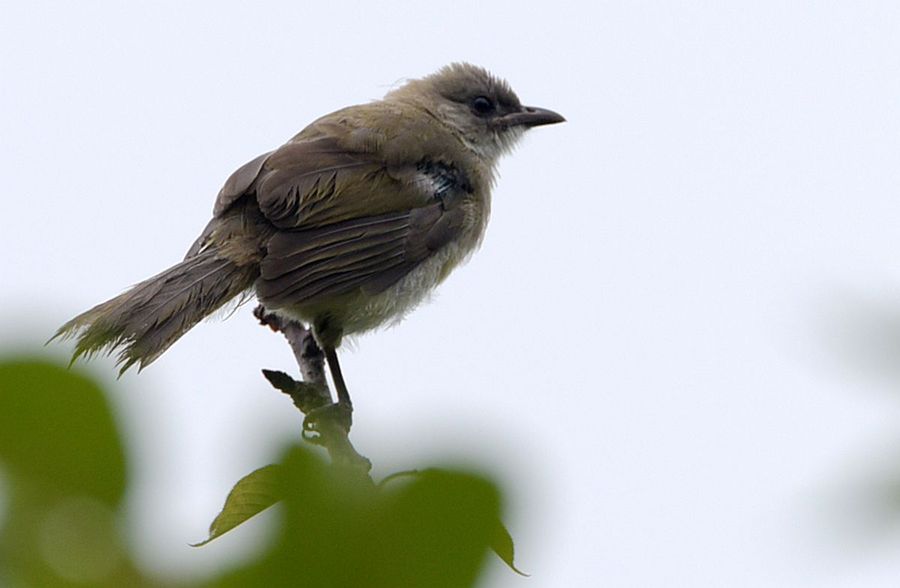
(320, 419)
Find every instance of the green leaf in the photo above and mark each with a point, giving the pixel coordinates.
(501, 542)
(253, 494)
(503, 546)
(435, 530)
(64, 472)
(57, 431)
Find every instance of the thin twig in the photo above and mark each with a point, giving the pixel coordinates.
(313, 392)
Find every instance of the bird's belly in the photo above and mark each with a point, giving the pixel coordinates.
(359, 312)
(393, 304)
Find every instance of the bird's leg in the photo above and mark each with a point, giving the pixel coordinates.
(326, 424)
(341, 412)
(336, 375)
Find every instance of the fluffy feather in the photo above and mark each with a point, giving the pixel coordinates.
(144, 321)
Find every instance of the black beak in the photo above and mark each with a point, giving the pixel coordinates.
(531, 116)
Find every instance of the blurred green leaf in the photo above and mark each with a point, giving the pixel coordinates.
(339, 530)
(502, 542)
(65, 475)
(253, 494)
(57, 431)
(437, 529)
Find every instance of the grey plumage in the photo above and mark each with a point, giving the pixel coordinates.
(347, 226)
(148, 318)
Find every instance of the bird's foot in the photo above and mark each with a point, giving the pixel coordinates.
(318, 421)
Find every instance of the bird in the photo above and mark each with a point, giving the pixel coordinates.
(346, 227)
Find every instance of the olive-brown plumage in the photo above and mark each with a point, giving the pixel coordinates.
(347, 226)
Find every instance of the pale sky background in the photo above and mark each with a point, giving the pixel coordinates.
(679, 346)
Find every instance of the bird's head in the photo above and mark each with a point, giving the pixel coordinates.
(481, 109)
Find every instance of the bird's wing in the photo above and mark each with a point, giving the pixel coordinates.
(317, 183)
(329, 173)
(239, 183)
(370, 253)
(345, 218)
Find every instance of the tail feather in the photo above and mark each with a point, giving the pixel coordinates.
(147, 319)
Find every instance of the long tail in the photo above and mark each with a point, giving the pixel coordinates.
(144, 321)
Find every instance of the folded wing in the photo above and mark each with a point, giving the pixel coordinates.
(370, 253)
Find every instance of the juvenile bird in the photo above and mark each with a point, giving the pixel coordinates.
(345, 227)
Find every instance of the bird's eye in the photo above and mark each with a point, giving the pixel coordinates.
(483, 106)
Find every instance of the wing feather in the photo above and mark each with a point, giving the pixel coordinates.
(342, 217)
(308, 266)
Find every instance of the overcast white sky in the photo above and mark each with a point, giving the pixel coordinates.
(679, 345)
